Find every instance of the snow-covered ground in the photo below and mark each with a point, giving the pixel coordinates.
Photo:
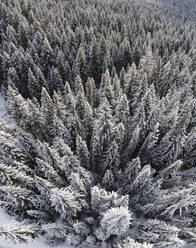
(3, 111)
(5, 218)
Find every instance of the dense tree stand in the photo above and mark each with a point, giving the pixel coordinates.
(102, 98)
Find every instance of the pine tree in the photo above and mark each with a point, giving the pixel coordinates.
(13, 79)
(106, 88)
(20, 233)
(32, 85)
(90, 91)
(122, 111)
(78, 85)
(65, 202)
(82, 153)
(48, 112)
(36, 120)
(55, 80)
(104, 56)
(80, 64)
(103, 129)
(114, 222)
(124, 53)
(46, 55)
(23, 31)
(93, 66)
(18, 108)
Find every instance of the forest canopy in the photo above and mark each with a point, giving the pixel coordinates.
(102, 151)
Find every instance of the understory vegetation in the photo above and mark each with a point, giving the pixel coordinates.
(102, 151)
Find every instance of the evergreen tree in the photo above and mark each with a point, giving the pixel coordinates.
(91, 91)
(80, 64)
(32, 84)
(82, 153)
(114, 222)
(48, 112)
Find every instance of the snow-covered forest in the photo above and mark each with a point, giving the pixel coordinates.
(98, 122)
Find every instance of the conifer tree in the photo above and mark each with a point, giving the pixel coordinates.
(82, 153)
(32, 84)
(18, 107)
(80, 64)
(48, 112)
(46, 55)
(90, 91)
(114, 222)
(93, 66)
(23, 31)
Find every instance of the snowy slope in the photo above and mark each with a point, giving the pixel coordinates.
(5, 218)
(3, 111)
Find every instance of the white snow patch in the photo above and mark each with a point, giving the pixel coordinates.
(37, 243)
(5, 218)
(3, 111)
